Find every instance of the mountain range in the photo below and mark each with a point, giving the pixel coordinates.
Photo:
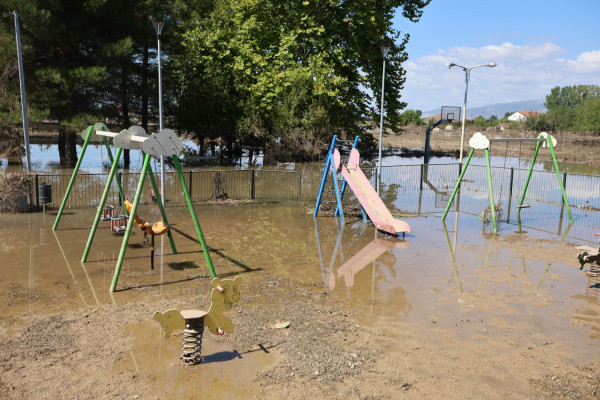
(498, 109)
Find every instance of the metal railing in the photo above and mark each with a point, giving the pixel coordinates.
(422, 189)
(415, 189)
(237, 184)
(426, 189)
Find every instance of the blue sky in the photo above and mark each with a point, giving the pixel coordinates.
(536, 44)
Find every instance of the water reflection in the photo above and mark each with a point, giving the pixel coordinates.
(447, 272)
(363, 258)
(537, 280)
(46, 159)
(380, 254)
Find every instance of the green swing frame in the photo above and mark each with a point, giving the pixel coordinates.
(541, 139)
(146, 171)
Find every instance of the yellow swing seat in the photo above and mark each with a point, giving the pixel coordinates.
(157, 229)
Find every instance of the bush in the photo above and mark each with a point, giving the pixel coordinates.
(14, 191)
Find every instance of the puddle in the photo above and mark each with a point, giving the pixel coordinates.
(454, 276)
(216, 377)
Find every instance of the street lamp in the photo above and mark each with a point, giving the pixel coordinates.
(384, 50)
(464, 116)
(158, 26)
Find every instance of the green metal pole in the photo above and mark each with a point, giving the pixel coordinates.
(562, 189)
(161, 208)
(136, 201)
(111, 176)
(535, 153)
(462, 173)
(193, 215)
(491, 194)
(90, 130)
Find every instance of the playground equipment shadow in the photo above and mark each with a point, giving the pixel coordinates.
(451, 311)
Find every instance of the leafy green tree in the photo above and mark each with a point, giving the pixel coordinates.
(570, 96)
(587, 116)
(541, 122)
(274, 71)
(563, 102)
(411, 117)
(257, 72)
(479, 121)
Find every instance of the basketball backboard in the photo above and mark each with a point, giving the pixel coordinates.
(450, 113)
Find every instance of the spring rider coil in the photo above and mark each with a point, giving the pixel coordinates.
(192, 336)
(224, 294)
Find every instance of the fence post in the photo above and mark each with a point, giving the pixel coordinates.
(300, 187)
(252, 193)
(376, 177)
(421, 182)
(564, 185)
(190, 183)
(37, 195)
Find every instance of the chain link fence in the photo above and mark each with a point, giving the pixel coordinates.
(236, 184)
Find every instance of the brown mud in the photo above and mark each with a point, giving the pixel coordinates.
(444, 313)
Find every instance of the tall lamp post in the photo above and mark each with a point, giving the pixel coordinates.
(158, 26)
(464, 116)
(384, 50)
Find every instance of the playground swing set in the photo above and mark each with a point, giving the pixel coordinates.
(163, 143)
(480, 142)
(225, 292)
(351, 175)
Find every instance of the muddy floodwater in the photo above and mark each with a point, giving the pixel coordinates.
(449, 311)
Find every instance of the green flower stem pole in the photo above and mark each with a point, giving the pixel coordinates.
(462, 173)
(194, 218)
(136, 201)
(90, 131)
(111, 176)
(535, 153)
(562, 189)
(491, 194)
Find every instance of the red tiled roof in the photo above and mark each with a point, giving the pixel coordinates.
(529, 114)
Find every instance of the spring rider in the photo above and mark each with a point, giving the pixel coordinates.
(590, 256)
(224, 293)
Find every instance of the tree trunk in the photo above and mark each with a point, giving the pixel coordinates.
(266, 157)
(67, 148)
(230, 150)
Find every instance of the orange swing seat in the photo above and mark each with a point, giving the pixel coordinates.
(157, 229)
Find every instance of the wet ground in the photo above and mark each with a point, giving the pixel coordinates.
(451, 310)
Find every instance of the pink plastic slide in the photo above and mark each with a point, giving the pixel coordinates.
(367, 196)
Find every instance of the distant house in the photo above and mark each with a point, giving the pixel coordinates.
(520, 116)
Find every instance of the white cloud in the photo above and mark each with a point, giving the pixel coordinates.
(522, 73)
